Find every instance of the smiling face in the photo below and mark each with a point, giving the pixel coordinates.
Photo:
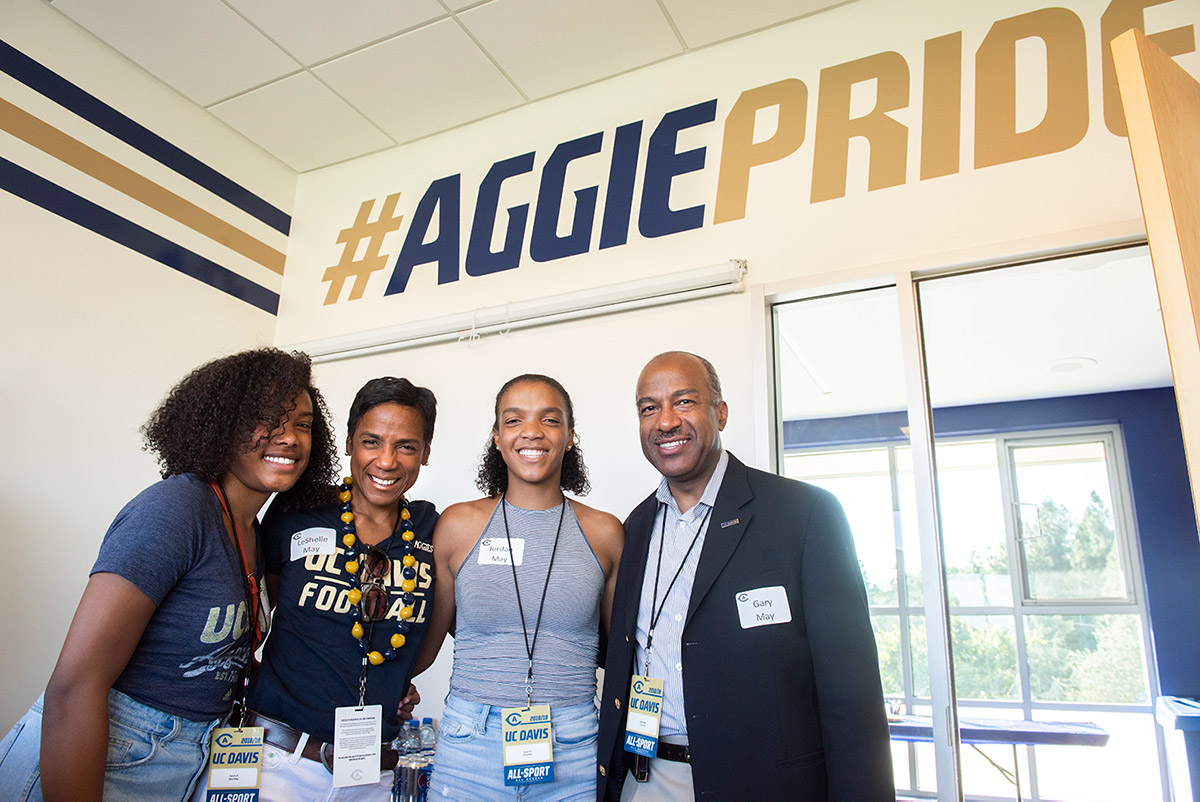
(680, 420)
(532, 433)
(280, 453)
(387, 449)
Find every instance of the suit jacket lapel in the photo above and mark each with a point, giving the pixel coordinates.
(730, 516)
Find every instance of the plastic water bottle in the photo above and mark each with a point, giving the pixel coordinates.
(429, 736)
(410, 738)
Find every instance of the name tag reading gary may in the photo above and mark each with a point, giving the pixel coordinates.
(763, 606)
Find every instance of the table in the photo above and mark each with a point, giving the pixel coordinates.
(974, 731)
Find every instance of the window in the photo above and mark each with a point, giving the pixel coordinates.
(1057, 634)
(1028, 373)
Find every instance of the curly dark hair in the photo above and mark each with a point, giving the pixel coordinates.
(492, 479)
(210, 416)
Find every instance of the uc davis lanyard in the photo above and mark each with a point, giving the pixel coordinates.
(529, 647)
(528, 750)
(654, 614)
(646, 693)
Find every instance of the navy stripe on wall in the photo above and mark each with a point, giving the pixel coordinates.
(53, 198)
(68, 95)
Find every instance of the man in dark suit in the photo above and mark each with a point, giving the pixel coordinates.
(741, 593)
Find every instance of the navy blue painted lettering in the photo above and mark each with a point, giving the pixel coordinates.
(481, 260)
(663, 164)
(444, 196)
(544, 242)
(618, 199)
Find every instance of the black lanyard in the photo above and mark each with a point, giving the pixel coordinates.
(512, 561)
(662, 536)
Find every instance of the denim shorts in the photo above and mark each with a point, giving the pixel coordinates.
(469, 764)
(151, 754)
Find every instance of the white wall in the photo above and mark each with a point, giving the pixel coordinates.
(597, 361)
(1078, 195)
(95, 334)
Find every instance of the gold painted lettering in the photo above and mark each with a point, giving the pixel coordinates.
(1065, 122)
(1120, 16)
(888, 138)
(941, 106)
(739, 151)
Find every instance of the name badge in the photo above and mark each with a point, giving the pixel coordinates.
(317, 540)
(233, 764)
(494, 551)
(645, 714)
(763, 606)
(357, 732)
(528, 748)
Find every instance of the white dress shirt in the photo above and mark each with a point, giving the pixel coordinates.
(673, 533)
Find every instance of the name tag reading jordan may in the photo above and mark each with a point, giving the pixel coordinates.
(763, 606)
(494, 551)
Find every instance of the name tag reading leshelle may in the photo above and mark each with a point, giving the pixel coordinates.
(317, 540)
(763, 606)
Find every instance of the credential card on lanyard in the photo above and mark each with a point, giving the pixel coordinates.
(233, 764)
(356, 745)
(645, 714)
(528, 749)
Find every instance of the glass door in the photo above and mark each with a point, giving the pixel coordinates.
(1033, 372)
(845, 427)
(1026, 602)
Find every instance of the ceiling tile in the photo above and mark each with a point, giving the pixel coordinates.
(701, 22)
(302, 123)
(202, 48)
(548, 46)
(316, 30)
(421, 82)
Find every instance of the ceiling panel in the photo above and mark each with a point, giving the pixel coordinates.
(202, 48)
(302, 122)
(585, 41)
(351, 69)
(425, 81)
(702, 22)
(316, 30)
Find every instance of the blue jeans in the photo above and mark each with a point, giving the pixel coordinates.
(151, 754)
(469, 763)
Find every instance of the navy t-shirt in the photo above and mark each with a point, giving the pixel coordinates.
(171, 543)
(311, 662)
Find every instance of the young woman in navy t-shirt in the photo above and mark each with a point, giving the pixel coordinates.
(169, 619)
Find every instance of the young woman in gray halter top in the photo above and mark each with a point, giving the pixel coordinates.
(524, 582)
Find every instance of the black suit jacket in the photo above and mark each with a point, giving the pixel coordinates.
(782, 711)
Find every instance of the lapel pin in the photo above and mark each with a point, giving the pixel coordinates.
(728, 524)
